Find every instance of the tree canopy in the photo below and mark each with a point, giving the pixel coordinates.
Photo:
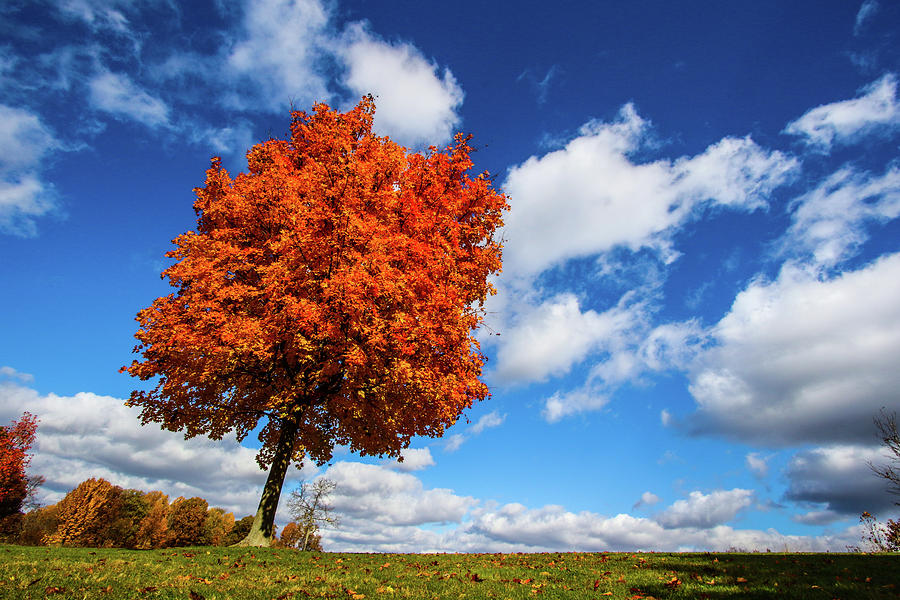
(332, 291)
(16, 440)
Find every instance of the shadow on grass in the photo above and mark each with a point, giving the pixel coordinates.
(758, 575)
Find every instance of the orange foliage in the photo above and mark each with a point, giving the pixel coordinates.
(217, 525)
(85, 513)
(333, 290)
(16, 440)
(336, 284)
(291, 535)
(154, 528)
(186, 518)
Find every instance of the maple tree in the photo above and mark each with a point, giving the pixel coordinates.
(16, 440)
(332, 292)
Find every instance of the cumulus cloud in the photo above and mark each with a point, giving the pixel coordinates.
(515, 527)
(591, 197)
(281, 53)
(548, 339)
(705, 510)
(414, 459)
(803, 359)
(87, 435)
(845, 122)
(839, 479)
(829, 222)
(117, 94)
(288, 50)
(382, 509)
(415, 104)
(628, 354)
(374, 493)
(24, 195)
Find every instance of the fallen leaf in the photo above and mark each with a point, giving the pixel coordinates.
(195, 596)
(54, 590)
(742, 580)
(673, 583)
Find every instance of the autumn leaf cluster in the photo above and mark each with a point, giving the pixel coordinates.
(16, 440)
(99, 514)
(336, 284)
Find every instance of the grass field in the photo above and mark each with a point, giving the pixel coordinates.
(254, 573)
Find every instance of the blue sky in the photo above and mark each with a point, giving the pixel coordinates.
(697, 318)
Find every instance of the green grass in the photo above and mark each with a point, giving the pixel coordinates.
(253, 573)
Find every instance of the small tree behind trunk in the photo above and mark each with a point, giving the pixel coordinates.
(310, 508)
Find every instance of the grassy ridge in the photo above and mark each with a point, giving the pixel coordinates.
(245, 574)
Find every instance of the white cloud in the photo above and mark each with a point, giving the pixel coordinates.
(492, 419)
(454, 442)
(415, 105)
(382, 510)
(758, 464)
(550, 338)
(628, 354)
(281, 53)
(866, 11)
(591, 197)
(665, 417)
(647, 499)
(818, 517)
(839, 478)
(99, 14)
(829, 221)
(414, 459)
(374, 493)
(845, 122)
(803, 359)
(24, 195)
(705, 510)
(118, 95)
(233, 141)
(563, 404)
(87, 435)
(516, 528)
(13, 374)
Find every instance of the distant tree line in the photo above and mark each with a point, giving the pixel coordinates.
(98, 514)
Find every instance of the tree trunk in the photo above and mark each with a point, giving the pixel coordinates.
(261, 532)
